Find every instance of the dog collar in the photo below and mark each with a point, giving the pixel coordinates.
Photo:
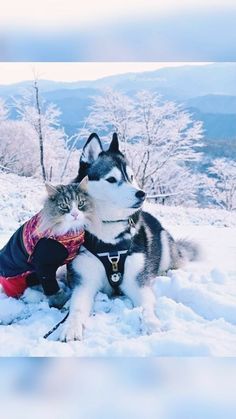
(129, 220)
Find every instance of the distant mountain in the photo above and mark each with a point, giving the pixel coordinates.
(179, 83)
(208, 92)
(216, 125)
(74, 104)
(45, 86)
(222, 104)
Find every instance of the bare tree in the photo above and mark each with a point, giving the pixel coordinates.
(43, 118)
(39, 129)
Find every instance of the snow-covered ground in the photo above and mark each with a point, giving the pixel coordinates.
(196, 304)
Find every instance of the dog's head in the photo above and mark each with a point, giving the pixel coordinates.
(110, 176)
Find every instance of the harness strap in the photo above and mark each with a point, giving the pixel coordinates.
(112, 256)
(114, 263)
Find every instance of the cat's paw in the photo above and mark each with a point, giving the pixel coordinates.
(72, 330)
(151, 325)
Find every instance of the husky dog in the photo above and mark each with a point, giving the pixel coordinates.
(125, 248)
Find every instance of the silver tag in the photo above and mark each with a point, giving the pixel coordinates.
(115, 277)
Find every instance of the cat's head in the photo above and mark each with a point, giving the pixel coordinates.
(67, 208)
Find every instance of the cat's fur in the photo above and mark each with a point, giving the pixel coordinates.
(61, 204)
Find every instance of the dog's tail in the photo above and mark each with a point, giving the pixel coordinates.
(188, 251)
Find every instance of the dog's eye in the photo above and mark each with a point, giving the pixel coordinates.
(111, 179)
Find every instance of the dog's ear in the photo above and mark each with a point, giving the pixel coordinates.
(92, 149)
(114, 146)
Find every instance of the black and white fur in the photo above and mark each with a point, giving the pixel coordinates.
(152, 250)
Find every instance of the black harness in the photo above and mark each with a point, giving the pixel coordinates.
(113, 257)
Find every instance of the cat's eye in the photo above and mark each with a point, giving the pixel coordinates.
(64, 207)
(111, 179)
(131, 178)
(81, 204)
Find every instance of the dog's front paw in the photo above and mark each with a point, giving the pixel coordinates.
(151, 325)
(72, 330)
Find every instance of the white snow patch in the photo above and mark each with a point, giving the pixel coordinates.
(196, 305)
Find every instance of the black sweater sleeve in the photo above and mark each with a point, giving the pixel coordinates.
(48, 255)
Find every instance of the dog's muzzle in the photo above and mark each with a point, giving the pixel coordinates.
(140, 195)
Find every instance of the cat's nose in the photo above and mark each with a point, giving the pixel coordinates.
(75, 215)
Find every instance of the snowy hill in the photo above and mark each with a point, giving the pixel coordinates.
(196, 304)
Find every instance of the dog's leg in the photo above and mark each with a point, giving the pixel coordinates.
(144, 297)
(140, 295)
(91, 273)
(80, 307)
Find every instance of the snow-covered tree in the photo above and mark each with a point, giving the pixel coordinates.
(221, 185)
(18, 148)
(43, 119)
(174, 185)
(159, 138)
(167, 135)
(35, 141)
(113, 111)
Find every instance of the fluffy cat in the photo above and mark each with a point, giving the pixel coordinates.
(48, 240)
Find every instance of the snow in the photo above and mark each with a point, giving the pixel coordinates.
(195, 304)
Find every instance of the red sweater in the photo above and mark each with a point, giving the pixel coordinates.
(31, 235)
(30, 251)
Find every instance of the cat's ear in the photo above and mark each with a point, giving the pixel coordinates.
(84, 184)
(92, 149)
(51, 190)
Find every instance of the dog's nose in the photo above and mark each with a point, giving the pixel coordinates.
(140, 194)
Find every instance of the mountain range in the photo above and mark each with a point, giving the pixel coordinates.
(208, 92)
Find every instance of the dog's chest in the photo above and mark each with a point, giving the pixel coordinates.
(112, 257)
